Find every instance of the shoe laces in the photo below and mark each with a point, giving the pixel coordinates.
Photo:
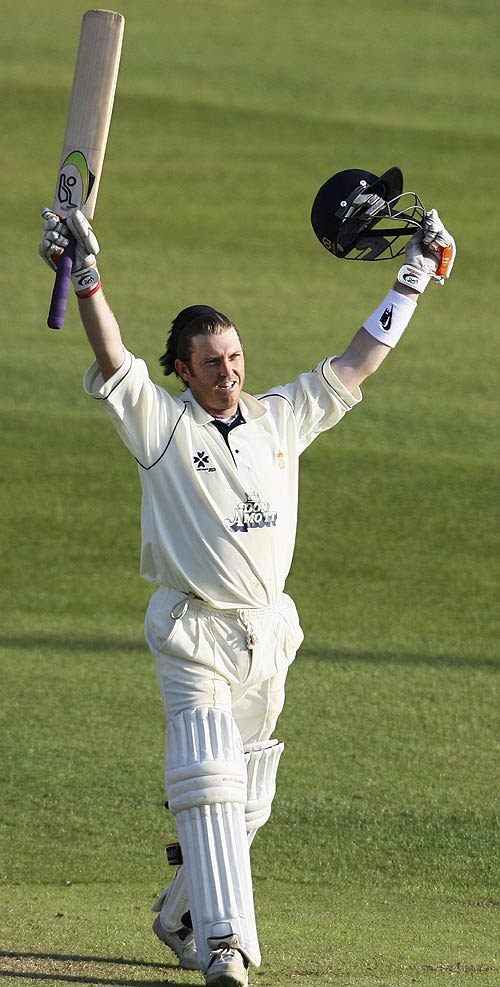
(228, 953)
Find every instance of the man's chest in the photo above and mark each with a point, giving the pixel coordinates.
(249, 471)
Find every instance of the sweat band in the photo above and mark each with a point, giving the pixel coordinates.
(86, 282)
(389, 321)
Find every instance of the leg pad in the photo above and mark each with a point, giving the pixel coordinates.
(207, 791)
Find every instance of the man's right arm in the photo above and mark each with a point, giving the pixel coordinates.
(98, 320)
(103, 333)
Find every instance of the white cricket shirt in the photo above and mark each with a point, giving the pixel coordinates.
(219, 519)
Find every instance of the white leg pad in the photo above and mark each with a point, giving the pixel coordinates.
(262, 759)
(207, 790)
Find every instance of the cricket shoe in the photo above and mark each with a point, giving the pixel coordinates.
(226, 968)
(182, 943)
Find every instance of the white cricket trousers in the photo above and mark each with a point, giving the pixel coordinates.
(233, 664)
(233, 660)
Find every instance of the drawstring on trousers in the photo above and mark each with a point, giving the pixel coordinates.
(180, 609)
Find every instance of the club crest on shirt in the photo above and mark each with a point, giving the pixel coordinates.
(202, 463)
(253, 512)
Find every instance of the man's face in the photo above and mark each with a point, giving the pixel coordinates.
(216, 372)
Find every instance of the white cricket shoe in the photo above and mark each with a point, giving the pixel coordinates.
(226, 968)
(182, 943)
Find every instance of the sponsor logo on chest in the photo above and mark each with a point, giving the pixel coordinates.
(253, 512)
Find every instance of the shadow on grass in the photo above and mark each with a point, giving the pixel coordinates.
(42, 967)
(92, 645)
(53, 642)
(397, 658)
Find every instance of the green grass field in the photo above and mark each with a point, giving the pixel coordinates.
(381, 865)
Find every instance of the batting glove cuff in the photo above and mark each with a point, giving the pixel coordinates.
(413, 277)
(86, 281)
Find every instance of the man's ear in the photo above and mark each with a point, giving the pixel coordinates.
(182, 370)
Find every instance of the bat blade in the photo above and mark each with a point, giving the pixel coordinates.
(87, 128)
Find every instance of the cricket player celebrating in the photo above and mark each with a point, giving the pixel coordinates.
(219, 475)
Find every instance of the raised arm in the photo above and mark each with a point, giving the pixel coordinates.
(98, 320)
(103, 333)
(429, 257)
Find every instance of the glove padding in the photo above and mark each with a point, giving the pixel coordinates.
(432, 249)
(55, 239)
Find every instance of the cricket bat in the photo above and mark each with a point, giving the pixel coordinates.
(87, 128)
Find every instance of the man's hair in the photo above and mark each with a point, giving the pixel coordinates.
(196, 320)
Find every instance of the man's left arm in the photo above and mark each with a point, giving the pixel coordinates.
(430, 255)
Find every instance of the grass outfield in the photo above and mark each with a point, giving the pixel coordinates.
(380, 867)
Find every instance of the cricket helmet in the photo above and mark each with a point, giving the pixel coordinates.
(351, 226)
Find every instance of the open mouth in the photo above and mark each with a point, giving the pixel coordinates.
(227, 385)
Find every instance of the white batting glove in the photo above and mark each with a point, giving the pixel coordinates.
(432, 249)
(55, 239)
(85, 276)
(86, 241)
(437, 239)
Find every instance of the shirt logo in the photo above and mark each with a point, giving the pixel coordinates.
(386, 319)
(252, 513)
(280, 456)
(202, 463)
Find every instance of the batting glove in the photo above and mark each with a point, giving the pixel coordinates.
(437, 239)
(430, 253)
(55, 239)
(86, 241)
(85, 276)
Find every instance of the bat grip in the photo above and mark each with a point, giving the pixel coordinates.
(60, 291)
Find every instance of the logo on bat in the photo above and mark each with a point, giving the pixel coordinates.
(75, 181)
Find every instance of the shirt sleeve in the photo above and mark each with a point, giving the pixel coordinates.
(319, 401)
(143, 414)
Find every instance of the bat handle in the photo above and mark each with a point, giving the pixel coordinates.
(60, 291)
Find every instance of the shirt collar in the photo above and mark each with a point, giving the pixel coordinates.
(250, 408)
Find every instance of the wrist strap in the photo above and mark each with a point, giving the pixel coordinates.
(389, 321)
(86, 282)
(413, 277)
